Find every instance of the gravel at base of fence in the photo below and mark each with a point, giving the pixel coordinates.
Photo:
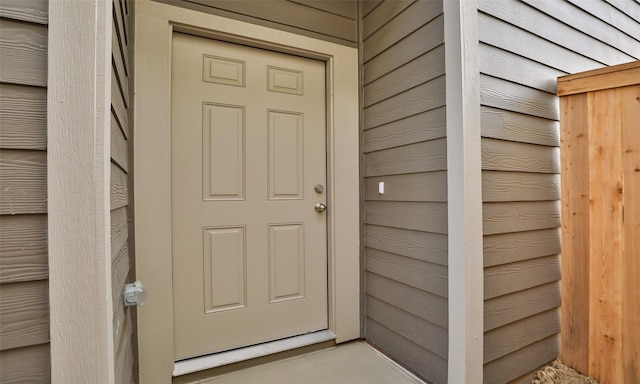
(558, 373)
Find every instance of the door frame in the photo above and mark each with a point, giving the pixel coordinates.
(154, 26)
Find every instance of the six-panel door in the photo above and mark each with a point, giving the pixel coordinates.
(248, 148)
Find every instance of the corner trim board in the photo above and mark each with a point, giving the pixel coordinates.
(78, 183)
(464, 196)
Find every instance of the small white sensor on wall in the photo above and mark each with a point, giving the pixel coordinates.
(381, 187)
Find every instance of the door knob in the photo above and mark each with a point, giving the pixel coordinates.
(319, 207)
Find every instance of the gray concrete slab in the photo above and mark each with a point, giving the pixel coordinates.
(352, 363)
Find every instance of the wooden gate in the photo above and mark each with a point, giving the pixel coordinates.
(600, 124)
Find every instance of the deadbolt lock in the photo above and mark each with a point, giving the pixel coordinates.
(319, 188)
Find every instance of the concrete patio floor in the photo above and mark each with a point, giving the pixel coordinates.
(351, 363)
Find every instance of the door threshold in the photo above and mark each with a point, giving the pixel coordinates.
(215, 360)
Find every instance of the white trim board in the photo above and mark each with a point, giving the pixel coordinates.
(464, 196)
(78, 183)
(155, 23)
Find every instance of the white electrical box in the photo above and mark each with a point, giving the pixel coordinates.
(134, 294)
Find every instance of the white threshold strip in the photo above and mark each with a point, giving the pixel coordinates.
(197, 364)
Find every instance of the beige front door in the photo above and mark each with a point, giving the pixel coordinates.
(248, 148)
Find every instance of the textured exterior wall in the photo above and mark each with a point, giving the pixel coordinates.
(121, 214)
(524, 46)
(334, 20)
(405, 229)
(24, 292)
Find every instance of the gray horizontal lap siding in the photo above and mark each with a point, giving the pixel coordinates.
(334, 20)
(405, 229)
(524, 46)
(24, 288)
(121, 227)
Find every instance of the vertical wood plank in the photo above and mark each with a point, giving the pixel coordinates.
(605, 229)
(613, 221)
(575, 233)
(630, 98)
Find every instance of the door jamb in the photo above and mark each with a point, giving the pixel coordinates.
(155, 24)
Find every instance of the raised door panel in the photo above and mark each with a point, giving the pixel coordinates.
(286, 262)
(223, 149)
(225, 274)
(286, 155)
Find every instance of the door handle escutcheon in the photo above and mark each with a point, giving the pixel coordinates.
(319, 207)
